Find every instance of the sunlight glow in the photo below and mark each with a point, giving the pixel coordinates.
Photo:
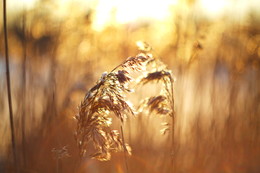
(14, 5)
(214, 7)
(131, 10)
(117, 12)
(126, 11)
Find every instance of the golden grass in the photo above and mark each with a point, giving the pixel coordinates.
(215, 106)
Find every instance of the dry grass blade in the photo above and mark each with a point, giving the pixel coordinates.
(157, 104)
(155, 76)
(136, 63)
(123, 77)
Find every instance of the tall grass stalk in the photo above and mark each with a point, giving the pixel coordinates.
(173, 125)
(24, 66)
(9, 87)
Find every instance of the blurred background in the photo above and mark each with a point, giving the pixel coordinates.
(59, 48)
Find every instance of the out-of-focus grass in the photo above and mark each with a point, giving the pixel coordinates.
(217, 94)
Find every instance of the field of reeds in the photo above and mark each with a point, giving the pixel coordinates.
(180, 95)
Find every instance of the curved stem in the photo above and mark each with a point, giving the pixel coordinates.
(9, 85)
(125, 150)
(116, 68)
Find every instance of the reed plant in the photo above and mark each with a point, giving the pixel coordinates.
(108, 98)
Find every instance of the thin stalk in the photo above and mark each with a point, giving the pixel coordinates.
(9, 86)
(77, 164)
(117, 67)
(58, 165)
(125, 150)
(173, 126)
(24, 42)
